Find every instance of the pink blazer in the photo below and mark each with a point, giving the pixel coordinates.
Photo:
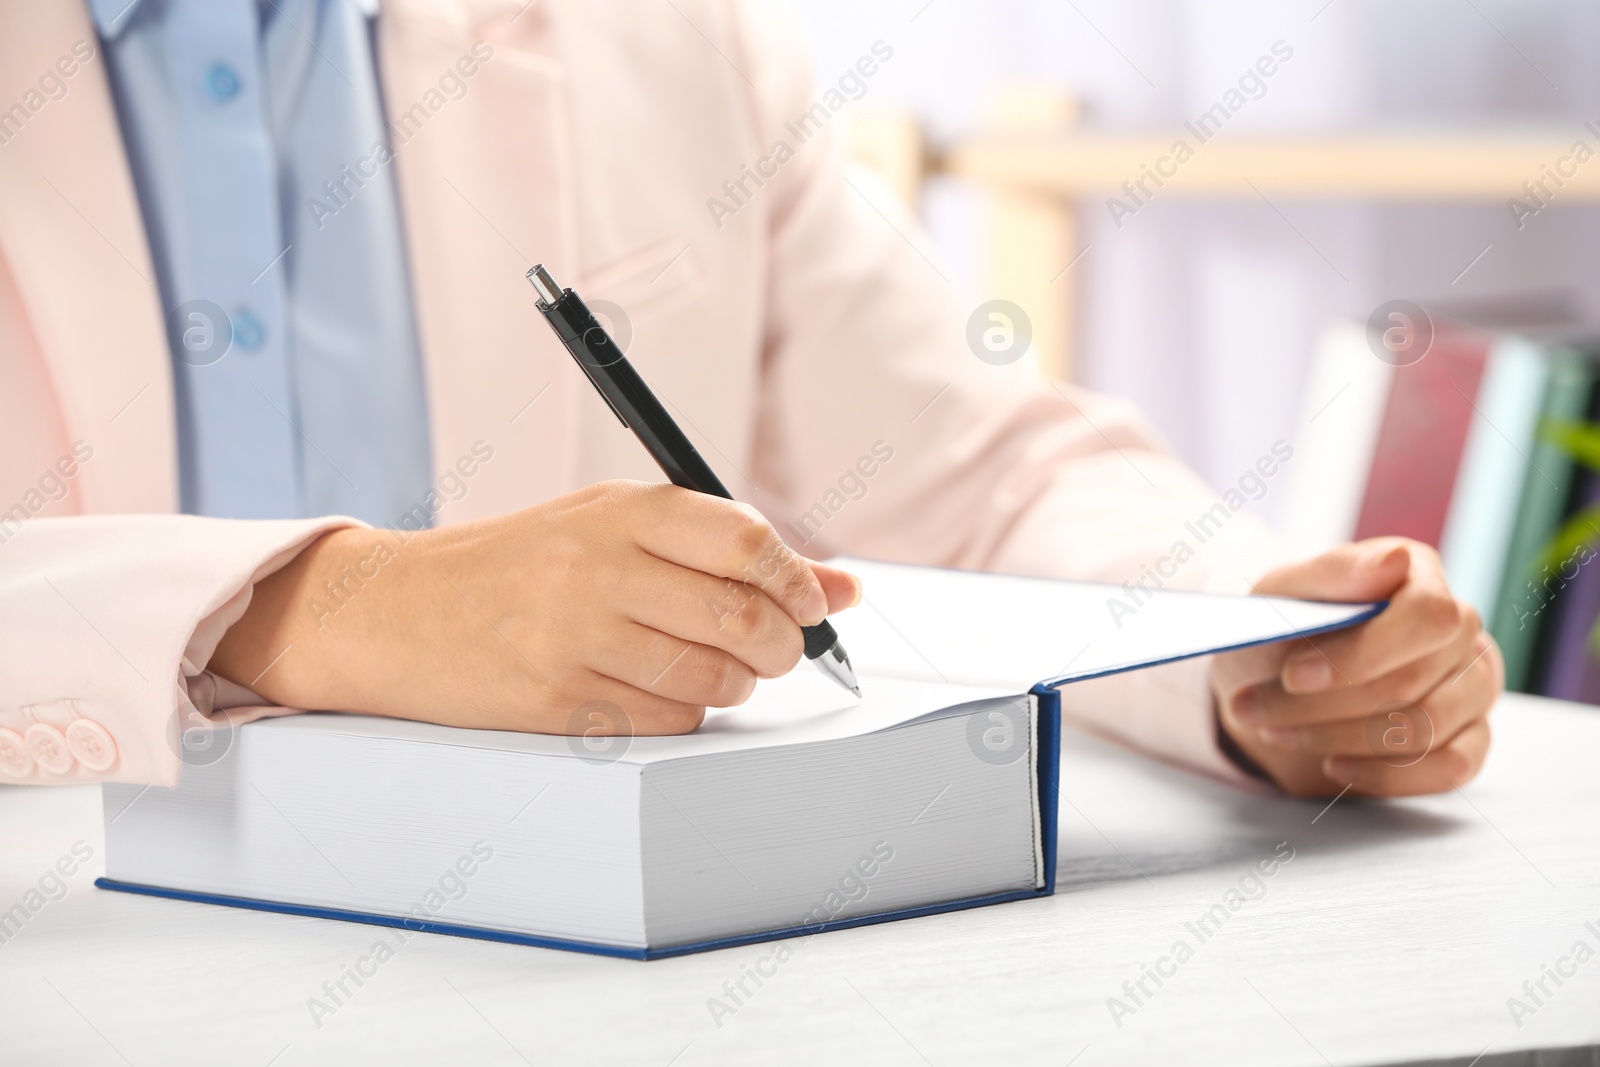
(592, 136)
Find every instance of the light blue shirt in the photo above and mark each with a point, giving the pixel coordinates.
(297, 371)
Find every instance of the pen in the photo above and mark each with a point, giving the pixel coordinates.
(637, 408)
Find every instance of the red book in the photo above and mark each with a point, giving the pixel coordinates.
(1421, 439)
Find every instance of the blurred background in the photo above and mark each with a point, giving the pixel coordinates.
(1203, 308)
(1368, 184)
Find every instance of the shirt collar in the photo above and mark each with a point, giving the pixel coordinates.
(111, 17)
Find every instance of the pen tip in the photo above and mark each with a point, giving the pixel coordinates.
(836, 665)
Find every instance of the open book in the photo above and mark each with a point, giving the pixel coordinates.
(805, 809)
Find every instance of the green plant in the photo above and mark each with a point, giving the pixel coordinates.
(1581, 441)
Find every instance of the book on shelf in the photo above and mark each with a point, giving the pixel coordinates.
(1335, 439)
(1493, 472)
(1518, 615)
(1453, 451)
(1562, 597)
(806, 809)
(1427, 417)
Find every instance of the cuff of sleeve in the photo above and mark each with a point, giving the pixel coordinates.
(210, 707)
(1230, 748)
(125, 611)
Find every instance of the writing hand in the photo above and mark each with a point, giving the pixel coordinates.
(654, 599)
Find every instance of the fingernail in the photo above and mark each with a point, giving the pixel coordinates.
(1380, 558)
(1341, 769)
(857, 598)
(1309, 673)
(1279, 736)
(815, 609)
(1247, 705)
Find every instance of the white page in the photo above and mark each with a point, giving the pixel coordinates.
(984, 629)
(923, 640)
(802, 706)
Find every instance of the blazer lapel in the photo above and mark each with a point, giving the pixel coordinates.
(486, 179)
(71, 230)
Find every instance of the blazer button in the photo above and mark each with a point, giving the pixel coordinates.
(92, 744)
(48, 748)
(14, 759)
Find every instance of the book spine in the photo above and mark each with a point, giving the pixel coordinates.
(1520, 610)
(1481, 524)
(1421, 441)
(1563, 658)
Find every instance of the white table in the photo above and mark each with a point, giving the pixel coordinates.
(1396, 934)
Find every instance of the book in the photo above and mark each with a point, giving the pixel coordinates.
(1494, 471)
(1346, 391)
(804, 810)
(1561, 608)
(1560, 597)
(1517, 615)
(1421, 440)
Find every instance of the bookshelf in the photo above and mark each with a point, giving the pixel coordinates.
(1037, 173)
(1039, 176)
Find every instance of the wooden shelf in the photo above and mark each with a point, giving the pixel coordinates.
(1397, 167)
(1037, 173)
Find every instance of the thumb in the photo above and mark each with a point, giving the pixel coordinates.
(843, 589)
(1365, 570)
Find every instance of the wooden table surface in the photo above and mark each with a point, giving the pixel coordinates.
(1397, 932)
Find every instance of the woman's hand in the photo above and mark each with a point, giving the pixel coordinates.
(1393, 707)
(653, 599)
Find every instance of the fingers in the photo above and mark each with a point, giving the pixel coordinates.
(1399, 730)
(1268, 704)
(1448, 767)
(1422, 618)
(719, 612)
(1367, 570)
(614, 707)
(1362, 570)
(728, 540)
(1395, 706)
(842, 587)
(683, 671)
(1382, 746)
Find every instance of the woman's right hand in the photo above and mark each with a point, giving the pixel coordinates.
(655, 599)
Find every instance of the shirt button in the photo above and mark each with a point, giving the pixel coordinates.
(248, 330)
(48, 748)
(222, 81)
(92, 744)
(14, 759)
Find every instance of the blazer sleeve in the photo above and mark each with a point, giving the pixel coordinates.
(883, 435)
(106, 626)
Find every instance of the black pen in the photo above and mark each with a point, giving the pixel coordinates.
(638, 410)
